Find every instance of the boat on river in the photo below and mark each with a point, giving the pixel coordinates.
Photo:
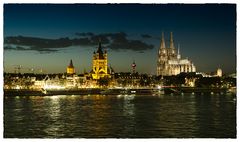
(131, 91)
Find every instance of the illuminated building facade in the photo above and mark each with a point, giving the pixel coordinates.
(170, 62)
(70, 68)
(219, 72)
(100, 64)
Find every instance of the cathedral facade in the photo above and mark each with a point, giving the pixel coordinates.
(170, 62)
(100, 64)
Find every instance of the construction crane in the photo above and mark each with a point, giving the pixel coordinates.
(40, 70)
(20, 68)
(17, 68)
(35, 70)
(31, 70)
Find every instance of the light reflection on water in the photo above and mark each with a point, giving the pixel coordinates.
(120, 116)
(128, 106)
(53, 128)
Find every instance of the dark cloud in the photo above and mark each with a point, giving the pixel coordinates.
(120, 42)
(43, 50)
(104, 39)
(146, 36)
(38, 42)
(9, 47)
(85, 34)
(82, 41)
(114, 41)
(43, 45)
(134, 45)
(20, 48)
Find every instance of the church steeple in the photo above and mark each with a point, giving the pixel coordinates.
(70, 68)
(99, 51)
(99, 46)
(178, 54)
(162, 48)
(171, 41)
(71, 64)
(162, 42)
(172, 50)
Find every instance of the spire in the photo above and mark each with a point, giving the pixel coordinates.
(171, 41)
(178, 54)
(178, 49)
(162, 45)
(99, 46)
(71, 64)
(162, 41)
(99, 51)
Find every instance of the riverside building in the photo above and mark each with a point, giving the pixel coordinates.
(100, 64)
(70, 68)
(170, 62)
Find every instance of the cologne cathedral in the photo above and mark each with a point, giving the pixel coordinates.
(170, 62)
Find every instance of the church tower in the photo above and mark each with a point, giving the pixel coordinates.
(162, 56)
(70, 68)
(100, 67)
(172, 51)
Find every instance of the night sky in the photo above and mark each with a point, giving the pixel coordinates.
(47, 36)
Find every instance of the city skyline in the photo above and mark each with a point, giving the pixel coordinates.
(48, 36)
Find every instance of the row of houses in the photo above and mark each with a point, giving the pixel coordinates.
(39, 81)
(122, 79)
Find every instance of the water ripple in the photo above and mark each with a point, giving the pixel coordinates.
(95, 116)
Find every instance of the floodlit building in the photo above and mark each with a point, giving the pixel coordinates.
(70, 68)
(219, 72)
(100, 63)
(170, 62)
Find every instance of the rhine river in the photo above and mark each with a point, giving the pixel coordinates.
(125, 116)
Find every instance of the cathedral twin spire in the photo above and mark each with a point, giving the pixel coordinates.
(169, 60)
(171, 48)
(163, 41)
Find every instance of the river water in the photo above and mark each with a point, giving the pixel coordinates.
(122, 116)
